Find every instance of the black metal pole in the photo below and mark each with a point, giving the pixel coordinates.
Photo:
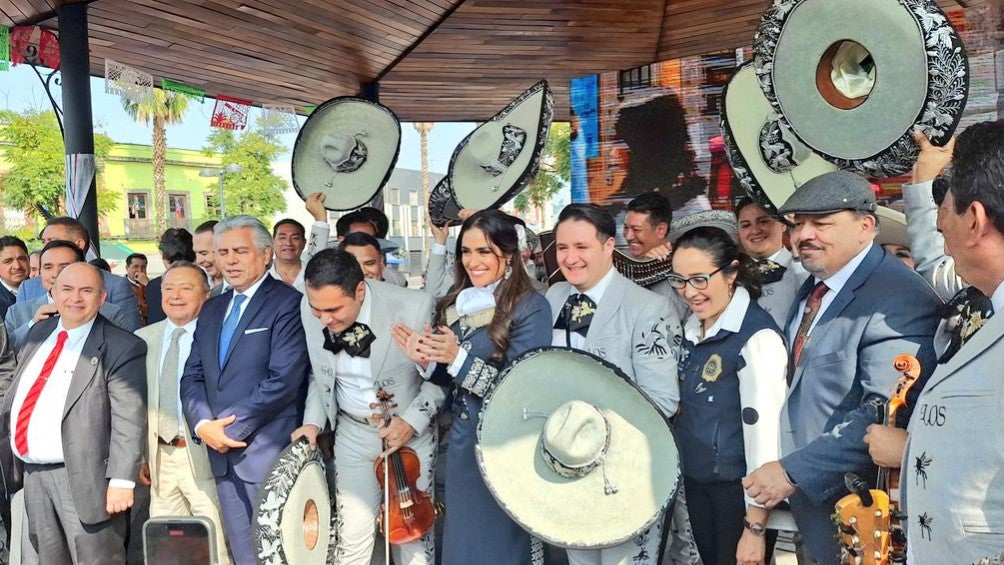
(74, 64)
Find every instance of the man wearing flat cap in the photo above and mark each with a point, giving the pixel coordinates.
(859, 309)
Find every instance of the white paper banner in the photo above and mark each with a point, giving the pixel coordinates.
(278, 119)
(126, 81)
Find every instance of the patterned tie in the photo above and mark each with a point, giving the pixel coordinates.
(355, 340)
(229, 326)
(811, 309)
(576, 315)
(966, 312)
(167, 426)
(24, 415)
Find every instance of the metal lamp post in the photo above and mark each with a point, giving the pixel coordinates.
(232, 168)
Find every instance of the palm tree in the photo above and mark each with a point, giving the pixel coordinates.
(163, 108)
(423, 129)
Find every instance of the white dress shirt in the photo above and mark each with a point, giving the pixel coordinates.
(298, 282)
(355, 388)
(834, 283)
(184, 349)
(595, 294)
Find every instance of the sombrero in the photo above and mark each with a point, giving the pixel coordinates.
(442, 205)
(499, 158)
(293, 521)
(346, 150)
(574, 451)
(721, 219)
(852, 79)
(892, 227)
(767, 159)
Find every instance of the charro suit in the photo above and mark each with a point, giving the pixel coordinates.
(19, 316)
(951, 482)
(883, 310)
(356, 444)
(104, 420)
(119, 291)
(261, 382)
(926, 242)
(777, 296)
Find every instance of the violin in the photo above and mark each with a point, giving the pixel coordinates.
(407, 513)
(868, 520)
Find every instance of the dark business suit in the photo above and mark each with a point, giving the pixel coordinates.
(883, 310)
(261, 382)
(103, 430)
(119, 293)
(154, 294)
(7, 299)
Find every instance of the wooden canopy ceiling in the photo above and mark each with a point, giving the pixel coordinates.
(434, 60)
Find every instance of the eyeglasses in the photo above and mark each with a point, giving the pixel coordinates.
(699, 282)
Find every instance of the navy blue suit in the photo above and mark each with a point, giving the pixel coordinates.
(261, 383)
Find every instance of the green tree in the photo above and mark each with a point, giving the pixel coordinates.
(555, 170)
(162, 108)
(36, 155)
(256, 191)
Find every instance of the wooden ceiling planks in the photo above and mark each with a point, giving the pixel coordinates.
(436, 59)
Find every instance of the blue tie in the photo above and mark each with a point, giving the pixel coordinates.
(229, 326)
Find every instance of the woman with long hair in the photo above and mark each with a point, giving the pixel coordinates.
(732, 386)
(490, 316)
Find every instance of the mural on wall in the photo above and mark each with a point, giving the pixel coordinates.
(656, 127)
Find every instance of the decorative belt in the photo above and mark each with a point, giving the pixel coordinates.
(176, 442)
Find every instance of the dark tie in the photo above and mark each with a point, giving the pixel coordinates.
(808, 316)
(769, 272)
(967, 311)
(229, 327)
(167, 421)
(355, 340)
(24, 415)
(576, 315)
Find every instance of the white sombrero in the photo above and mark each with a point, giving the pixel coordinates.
(892, 227)
(574, 451)
(854, 78)
(721, 219)
(499, 158)
(768, 160)
(346, 150)
(293, 521)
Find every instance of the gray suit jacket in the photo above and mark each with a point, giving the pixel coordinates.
(419, 400)
(119, 290)
(438, 279)
(636, 330)
(951, 484)
(926, 242)
(18, 318)
(153, 335)
(883, 310)
(104, 417)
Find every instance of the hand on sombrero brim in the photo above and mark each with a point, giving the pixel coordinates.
(932, 159)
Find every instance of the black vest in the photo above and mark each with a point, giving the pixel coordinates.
(709, 427)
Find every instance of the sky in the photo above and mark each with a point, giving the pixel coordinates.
(21, 89)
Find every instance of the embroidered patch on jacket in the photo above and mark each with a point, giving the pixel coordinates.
(712, 368)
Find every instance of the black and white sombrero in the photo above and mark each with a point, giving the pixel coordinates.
(346, 150)
(499, 158)
(768, 160)
(852, 79)
(587, 461)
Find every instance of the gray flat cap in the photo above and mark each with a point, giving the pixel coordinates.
(831, 192)
(720, 219)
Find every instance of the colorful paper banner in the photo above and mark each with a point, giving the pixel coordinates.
(230, 113)
(185, 90)
(279, 119)
(4, 48)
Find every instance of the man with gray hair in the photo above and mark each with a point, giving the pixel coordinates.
(242, 387)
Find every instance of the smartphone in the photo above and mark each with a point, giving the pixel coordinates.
(179, 540)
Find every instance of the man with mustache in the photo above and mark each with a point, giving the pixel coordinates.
(860, 309)
(13, 270)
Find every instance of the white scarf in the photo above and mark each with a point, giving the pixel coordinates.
(476, 298)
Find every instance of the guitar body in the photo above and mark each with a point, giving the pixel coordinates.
(864, 530)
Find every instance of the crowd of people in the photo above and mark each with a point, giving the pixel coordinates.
(769, 360)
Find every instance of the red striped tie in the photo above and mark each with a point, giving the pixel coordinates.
(23, 417)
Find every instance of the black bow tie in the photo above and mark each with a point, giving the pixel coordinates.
(966, 312)
(769, 271)
(355, 340)
(576, 314)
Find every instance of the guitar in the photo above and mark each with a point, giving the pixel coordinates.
(868, 520)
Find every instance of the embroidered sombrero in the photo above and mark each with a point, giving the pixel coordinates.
(346, 149)
(852, 79)
(721, 219)
(574, 451)
(768, 160)
(499, 158)
(294, 521)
